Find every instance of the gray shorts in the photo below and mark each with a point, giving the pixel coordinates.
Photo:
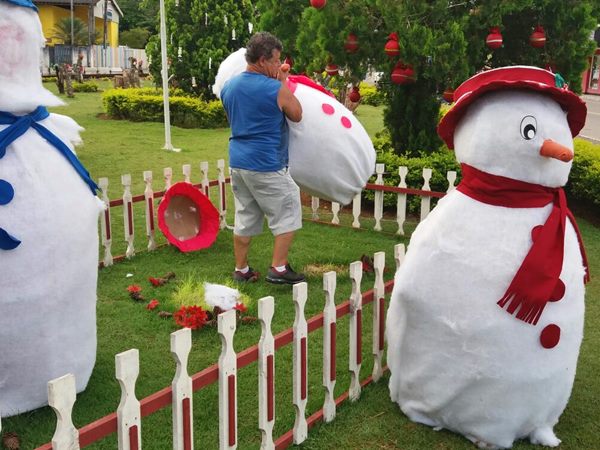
(273, 195)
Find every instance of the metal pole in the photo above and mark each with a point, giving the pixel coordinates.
(165, 78)
(72, 32)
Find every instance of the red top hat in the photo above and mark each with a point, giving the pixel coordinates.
(515, 77)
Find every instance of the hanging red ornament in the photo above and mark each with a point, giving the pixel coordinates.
(351, 44)
(331, 69)
(392, 47)
(318, 3)
(354, 95)
(289, 61)
(494, 39)
(538, 37)
(403, 74)
(448, 95)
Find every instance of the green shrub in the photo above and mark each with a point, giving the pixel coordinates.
(87, 86)
(146, 105)
(584, 180)
(49, 80)
(370, 95)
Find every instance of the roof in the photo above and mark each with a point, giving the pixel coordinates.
(77, 2)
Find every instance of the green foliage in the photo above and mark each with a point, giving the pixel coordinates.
(141, 105)
(134, 38)
(62, 31)
(584, 180)
(203, 29)
(87, 86)
(138, 14)
(370, 95)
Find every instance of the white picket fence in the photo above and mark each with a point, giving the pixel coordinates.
(149, 195)
(127, 421)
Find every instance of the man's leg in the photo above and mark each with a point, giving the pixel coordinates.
(282, 245)
(241, 245)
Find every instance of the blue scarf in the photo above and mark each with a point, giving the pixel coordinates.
(18, 126)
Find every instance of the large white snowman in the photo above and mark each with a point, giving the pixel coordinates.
(330, 153)
(486, 316)
(48, 228)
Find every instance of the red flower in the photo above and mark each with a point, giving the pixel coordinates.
(241, 307)
(192, 317)
(152, 304)
(134, 288)
(155, 281)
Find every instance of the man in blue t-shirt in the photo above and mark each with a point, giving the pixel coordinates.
(257, 103)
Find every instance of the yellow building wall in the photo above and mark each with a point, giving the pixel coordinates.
(112, 32)
(50, 15)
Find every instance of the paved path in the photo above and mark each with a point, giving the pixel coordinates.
(591, 131)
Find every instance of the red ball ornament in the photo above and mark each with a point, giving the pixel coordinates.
(448, 95)
(354, 95)
(494, 39)
(403, 74)
(318, 3)
(392, 47)
(351, 44)
(538, 37)
(331, 69)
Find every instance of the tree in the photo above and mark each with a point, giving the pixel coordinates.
(134, 38)
(62, 31)
(139, 14)
(201, 33)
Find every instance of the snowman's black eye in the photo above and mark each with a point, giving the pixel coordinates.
(528, 127)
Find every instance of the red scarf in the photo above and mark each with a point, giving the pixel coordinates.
(534, 282)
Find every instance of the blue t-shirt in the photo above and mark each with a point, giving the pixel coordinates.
(259, 131)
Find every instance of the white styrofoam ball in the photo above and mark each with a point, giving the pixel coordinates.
(231, 66)
(222, 296)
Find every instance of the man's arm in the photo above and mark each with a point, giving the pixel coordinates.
(287, 102)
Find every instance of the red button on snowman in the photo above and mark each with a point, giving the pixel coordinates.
(486, 317)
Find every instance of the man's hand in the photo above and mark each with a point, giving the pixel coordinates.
(284, 71)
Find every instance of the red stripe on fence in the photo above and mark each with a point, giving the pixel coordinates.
(381, 322)
(231, 408)
(151, 213)
(332, 351)
(303, 368)
(359, 336)
(187, 424)
(130, 217)
(107, 222)
(270, 387)
(399, 190)
(133, 438)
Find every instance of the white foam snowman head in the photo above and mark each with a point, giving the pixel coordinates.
(517, 122)
(21, 41)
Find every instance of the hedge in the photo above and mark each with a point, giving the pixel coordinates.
(584, 180)
(88, 86)
(146, 105)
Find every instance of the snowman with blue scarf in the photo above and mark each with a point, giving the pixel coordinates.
(48, 228)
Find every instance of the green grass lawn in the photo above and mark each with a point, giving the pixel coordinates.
(116, 147)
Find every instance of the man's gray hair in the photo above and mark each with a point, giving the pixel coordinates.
(262, 44)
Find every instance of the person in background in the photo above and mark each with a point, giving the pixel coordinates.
(257, 103)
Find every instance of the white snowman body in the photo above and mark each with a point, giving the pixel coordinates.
(47, 283)
(457, 360)
(331, 156)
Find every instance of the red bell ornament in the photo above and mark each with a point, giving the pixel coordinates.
(331, 69)
(392, 47)
(318, 3)
(538, 37)
(351, 45)
(448, 95)
(494, 39)
(354, 95)
(403, 74)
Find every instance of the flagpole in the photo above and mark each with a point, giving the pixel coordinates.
(165, 79)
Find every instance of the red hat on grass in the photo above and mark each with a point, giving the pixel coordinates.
(514, 77)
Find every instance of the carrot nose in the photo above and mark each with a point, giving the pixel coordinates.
(552, 149)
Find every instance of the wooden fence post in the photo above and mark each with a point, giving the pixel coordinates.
(378, 315)
(335, 209)
(425, 200)
(451, 177)
(61, 397)
(378, 208)
(129, 424)
(266, 373)
(356, 207)
(168, 174)
(401, 201)
(300, 365)
(355, 331)
(314, 205)
(227, 382)
(186, 169)
(105, 224)
(399, 251)
(222, 195)
(128, 215)
(205, 181)
(329, 343)
(150, 221)
(183, 423)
